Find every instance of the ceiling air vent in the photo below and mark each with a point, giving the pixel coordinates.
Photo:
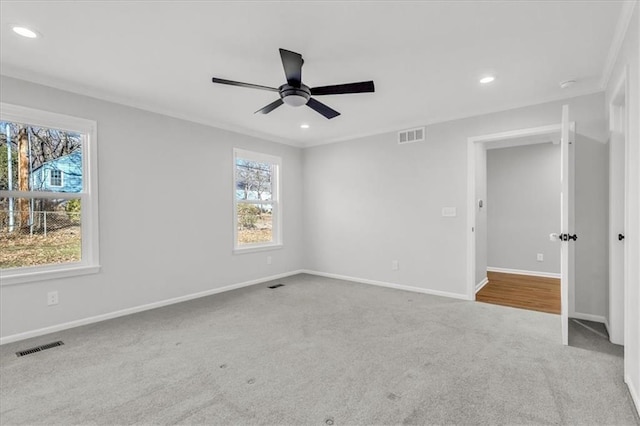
(411, 135)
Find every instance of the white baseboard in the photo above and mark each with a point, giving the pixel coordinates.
(388, 285)
(481, 284)
(522, 272)
(136, 309)
(588, 317)
(633, 392)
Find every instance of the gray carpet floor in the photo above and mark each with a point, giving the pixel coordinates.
(316, 351)
(592, 336)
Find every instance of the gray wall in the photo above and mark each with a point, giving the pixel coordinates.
(356, 205)
(157, 241)
(370, 201)
(523, 207)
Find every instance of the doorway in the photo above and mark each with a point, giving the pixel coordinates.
(518, 205)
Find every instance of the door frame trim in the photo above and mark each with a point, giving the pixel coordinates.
(622, 90)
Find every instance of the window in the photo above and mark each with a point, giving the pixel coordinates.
(48, 195)
(55, 178)
(257, 215)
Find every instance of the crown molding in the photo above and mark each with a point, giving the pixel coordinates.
(618, 38)
(92, 92)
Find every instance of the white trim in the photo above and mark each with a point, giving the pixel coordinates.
(588, 317)
(481, 284)
(619, 122)
(635, 397)
(523, 272)
(43, 194)
(471, 216)
(519, 133)
(388, 285)
(140, 308)
(42, 118)
(256, 156)
(253, 249)
(616, 121)
(48, 272)
(624, 19)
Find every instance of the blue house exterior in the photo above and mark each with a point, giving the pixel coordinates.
(64, 174)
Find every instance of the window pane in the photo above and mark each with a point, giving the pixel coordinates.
(253, 180)
(255, 223)
(39, 159)
(39, 231)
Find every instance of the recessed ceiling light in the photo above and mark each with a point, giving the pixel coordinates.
(567, 83)
(488, 79)
(24, 32)
(304, 126)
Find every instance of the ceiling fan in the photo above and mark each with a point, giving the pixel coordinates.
(295, 93)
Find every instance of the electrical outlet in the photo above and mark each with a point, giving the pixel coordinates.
(52, 298)
(540, 257)
(395, 265)
(268, 260)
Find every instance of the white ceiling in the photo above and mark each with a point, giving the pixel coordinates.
(425, 57)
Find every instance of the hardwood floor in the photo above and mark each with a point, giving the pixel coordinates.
(522, 291)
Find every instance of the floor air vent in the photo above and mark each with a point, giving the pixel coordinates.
(39, 348)
(276, 286)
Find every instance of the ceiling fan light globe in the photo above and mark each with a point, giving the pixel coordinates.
(295, 100)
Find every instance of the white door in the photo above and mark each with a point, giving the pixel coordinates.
(567, 237)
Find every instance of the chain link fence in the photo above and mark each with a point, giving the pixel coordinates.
(37, 222)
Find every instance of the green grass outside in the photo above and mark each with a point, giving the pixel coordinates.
(21, 249)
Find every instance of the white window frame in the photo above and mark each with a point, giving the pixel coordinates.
(51, 178)
(276, 201)
(89, 263)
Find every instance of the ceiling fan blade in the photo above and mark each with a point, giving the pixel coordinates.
(240, 84)
(273, 105)
(292, 63)
(322, 109)
(340, 89)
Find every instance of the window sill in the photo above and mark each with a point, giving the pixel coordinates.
(8, 277)
(257, 249)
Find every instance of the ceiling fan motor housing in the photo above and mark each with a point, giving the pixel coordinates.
(295, 96)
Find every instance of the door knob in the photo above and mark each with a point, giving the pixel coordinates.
(620, 237)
